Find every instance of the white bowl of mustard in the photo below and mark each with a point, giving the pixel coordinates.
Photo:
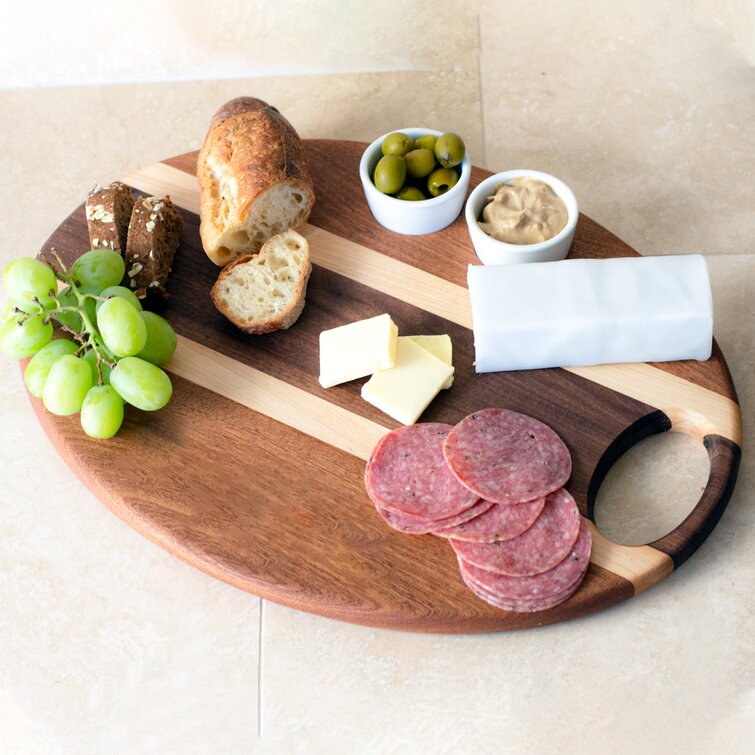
(492, 251)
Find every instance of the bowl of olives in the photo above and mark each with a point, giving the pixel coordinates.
(415, 180)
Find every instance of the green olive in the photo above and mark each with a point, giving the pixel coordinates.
(449, 149)
(390, 173)
(397, 143)
(411, 193)
(441, 180)
(420, 162)
(425, 142)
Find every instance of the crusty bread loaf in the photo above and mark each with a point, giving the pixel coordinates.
(263, 292)
(108, 211)
(254, 179)
(153, 236)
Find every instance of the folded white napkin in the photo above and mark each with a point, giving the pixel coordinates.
(584, 312)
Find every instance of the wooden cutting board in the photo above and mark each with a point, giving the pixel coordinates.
(253, 472)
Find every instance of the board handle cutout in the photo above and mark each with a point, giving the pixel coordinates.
(724, 456)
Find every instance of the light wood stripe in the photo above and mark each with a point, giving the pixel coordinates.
(160, 179)
(275, 398)
(678, 398)
(392, 277)
(642, 566)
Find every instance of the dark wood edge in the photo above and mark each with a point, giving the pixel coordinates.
(651, 424)
(725, 456)
(690, 534)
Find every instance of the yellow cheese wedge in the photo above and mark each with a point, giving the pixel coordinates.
(438, 346)
(357, 350)
(405, 390)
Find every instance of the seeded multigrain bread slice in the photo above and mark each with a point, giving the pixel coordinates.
(153, 236)
(263, 292)
(108, 211)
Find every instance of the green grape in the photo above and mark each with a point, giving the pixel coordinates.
(8, 312)
(141, 384)
(26, 339)
(67, 298)
(67, 384)
(91, 357)
(123, 330)
(102, 412)
(123, 293)
(38, 368)
(26, 278)
(32, 308)
(98, 269)
(161, 339)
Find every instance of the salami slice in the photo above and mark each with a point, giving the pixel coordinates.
(520, 605)
(559, 579)
(414, 525)
(500, 522)
(546, 543)
(407, 473)
(507, 457)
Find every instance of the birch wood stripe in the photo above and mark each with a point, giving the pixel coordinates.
(642, 382)
(160, 179)
(275, 398)
(679, 399)
(642, 566)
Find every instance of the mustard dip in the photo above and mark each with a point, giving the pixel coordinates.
(523, 210)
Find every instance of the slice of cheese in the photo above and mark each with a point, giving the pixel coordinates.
(438, 346)
(357, 350)
(404, 391)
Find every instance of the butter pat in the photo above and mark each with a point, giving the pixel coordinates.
(584, 312)
(438, 346)
(356, 350)
(404, 391)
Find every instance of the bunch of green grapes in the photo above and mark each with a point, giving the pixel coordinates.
(116, 348)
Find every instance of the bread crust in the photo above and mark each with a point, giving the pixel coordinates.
(238, 106)
(249, 148)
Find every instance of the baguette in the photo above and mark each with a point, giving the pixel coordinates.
(254, 180)
(261, 293)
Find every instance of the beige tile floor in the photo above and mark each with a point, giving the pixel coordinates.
(107, 644)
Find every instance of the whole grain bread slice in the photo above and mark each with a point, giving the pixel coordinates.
(153, 236)
(108, 212)
(264, 292)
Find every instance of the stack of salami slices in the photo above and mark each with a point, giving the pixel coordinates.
(493, 486)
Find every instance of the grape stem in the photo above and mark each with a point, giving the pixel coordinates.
(88, 337)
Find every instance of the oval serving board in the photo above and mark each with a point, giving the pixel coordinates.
(253, 472)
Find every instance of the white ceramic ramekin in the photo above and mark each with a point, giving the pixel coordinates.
(412, 218)
(493, 252)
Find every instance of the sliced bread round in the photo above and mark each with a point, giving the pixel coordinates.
(264, 292)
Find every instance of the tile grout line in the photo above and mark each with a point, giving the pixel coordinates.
(260, 647)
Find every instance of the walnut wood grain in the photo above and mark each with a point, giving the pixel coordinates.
(279, 512)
